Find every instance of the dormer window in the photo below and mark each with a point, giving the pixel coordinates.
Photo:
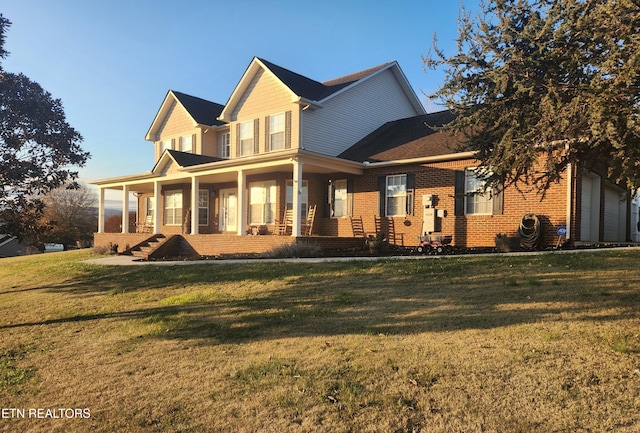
(276, 132)
(165, 145)
(246, 138)
(186, 143)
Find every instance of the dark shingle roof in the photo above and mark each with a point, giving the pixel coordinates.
(203, 112)
(315, 90)
(407, 138)
(185, 159)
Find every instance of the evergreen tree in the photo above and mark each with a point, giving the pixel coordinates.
(540, 84)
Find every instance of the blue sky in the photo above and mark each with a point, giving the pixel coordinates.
(112, 62)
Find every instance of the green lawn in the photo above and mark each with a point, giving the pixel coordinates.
(547, 343)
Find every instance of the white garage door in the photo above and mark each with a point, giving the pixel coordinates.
(590, 209)
(614, 215)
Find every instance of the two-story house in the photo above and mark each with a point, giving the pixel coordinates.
(357, 147)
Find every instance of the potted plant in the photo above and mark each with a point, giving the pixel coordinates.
(377, 243)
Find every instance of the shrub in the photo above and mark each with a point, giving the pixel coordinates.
(294, 250)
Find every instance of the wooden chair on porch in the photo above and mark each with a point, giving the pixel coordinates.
(146, 226)
(284, 225)
(357, 227)
(387, 226)
(307, 227)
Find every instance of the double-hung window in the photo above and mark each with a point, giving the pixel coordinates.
(165, 145)
(304, 197)
(225, 144)
(203, 207)
(186, 143)
(398, 195)
(340, 200)
(262, 202)
(151, 208)
(246, 138)
(477, 200)
(173, 208)
(276, 132)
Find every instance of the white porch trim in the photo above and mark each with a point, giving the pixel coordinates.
(125, 209)
(242, 203)
(297, 191)
(195, 191)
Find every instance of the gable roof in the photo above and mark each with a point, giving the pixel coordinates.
(306, 90)
(202, 112)
(413, 137)
(314, 90)
(183, 159)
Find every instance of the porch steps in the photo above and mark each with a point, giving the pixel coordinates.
(145, 248)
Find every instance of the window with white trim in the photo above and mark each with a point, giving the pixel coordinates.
(399, 197)
(246, 138)
(339, 198)
(173, 208)
(276, 132)
(477, 200)
(304, 197)
(226, 145)
(186, 143)
(262, 202)
(165, 145)
(203, 207)
(151, 207)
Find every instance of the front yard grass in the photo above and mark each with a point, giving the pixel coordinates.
(477, 344)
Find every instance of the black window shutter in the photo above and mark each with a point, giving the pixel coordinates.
(411, 185)
(238, 139)
(326, 200)
(382, 195)
(256, 136)
(267, 132)
(458, 207)
(287, 130)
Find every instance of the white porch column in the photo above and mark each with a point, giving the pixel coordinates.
(195, 187)
(100, 210)
(242, 203)
(125, 209)
(297, 191)
(156, 214)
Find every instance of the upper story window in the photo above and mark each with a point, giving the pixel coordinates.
(186, 143)
(165, 145)
(246, 138)
(477, 200)
(275, 134)
(225, 144)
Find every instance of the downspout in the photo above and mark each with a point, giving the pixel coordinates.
(569, 200)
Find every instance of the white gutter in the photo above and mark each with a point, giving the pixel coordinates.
(423, 160)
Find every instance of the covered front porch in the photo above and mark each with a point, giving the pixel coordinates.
(232, 198)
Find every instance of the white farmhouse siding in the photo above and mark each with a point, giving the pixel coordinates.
(352, 114)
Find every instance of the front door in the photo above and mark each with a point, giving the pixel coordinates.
(228, 208)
